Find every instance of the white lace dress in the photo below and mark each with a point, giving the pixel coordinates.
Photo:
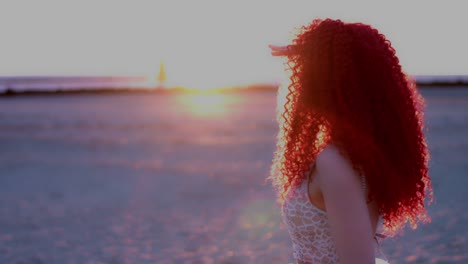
(309, 228)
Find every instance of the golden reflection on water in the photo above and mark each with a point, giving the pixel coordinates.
(206, 104)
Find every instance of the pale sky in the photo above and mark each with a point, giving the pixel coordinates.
(211, 43)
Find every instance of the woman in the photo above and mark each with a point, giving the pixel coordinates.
(351, 149)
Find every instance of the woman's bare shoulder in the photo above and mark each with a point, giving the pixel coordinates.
(334, 167)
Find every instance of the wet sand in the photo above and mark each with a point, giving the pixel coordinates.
(166, 179)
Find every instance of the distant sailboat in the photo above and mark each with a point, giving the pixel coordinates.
(162, 76)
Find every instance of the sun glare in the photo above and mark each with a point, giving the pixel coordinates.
(206, 104)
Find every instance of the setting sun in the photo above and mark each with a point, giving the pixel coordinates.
(204, 104)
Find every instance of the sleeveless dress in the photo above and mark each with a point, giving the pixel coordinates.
(308, 227)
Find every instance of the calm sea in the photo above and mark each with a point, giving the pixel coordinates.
(21, 83)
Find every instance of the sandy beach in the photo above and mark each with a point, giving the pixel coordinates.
(169, 178)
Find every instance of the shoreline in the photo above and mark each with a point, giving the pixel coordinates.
(459, 84)
(137, 90)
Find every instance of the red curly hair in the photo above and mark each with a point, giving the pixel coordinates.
(348, 88)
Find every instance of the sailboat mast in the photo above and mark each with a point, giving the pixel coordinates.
(162, 75)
